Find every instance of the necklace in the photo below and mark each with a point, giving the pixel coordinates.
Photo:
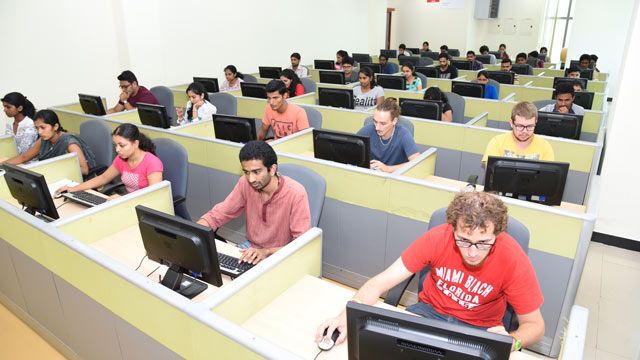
(388, 141)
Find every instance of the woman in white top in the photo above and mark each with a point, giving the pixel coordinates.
(198, 107)
(17, 106)
(233, 79)
(367, 94)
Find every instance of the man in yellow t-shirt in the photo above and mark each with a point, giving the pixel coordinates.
(521, 142)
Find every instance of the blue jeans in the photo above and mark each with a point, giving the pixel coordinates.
(245, 245)
(426, 310)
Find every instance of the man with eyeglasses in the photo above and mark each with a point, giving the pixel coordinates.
(521, 142)
(131, 93)
(476, 269)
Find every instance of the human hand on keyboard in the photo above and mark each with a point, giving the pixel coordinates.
(61, 190)
(254, 255)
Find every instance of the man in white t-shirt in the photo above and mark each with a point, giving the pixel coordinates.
(300, 70)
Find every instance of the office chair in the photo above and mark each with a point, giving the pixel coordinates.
(457, 106)
(423, 79)
(542, 103)
(402, 121)
(313, 183)
(97, 134)
(165, 98)
(394, 67)
(314, 116)
(309, 85)
(225, 103)
(515, 228)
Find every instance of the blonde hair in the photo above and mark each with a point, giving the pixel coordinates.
(525, 109)
(390, 104)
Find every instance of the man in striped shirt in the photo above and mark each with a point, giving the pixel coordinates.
(275, 206)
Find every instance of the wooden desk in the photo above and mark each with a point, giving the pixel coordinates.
(126, 247)
(291, 319)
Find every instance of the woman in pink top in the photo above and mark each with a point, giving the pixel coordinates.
(136, 163)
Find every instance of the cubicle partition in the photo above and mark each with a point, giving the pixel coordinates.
(8, 146)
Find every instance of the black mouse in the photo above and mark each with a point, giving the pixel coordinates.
(326, 344)
(59, 194)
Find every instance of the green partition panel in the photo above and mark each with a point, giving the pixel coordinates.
(251, 107)
(596, 86)
(498, 110)
(200, 128)
(443, 84)
(403, 94)
(8, 147)
(438, 134)
(306, 99)
(338, 119)
(129, 116)
(537, 81)
(423, 168)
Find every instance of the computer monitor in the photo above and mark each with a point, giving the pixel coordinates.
(376, 68)
(413, 60)
(342, 98)
(485, 59)
(461, 64)
(428, 71)
(453, 52)
(360, 58)
(324, 65)
(582, 98)
(430, 54)
(391, 81)
(210, 84)
(464, 88)
(497, 54)
(253, 90)
(558, 80)
(584, 73)
(377, 333)
(521, 69)
(389, 53)
(270, 72)
(559, 125)
(234, 128)
(153, 115)
(92, 104)
(30, 190)
(184, 246)
(576, 64)
(414, 51)
(531, 180)
(342, 147)
(503, 77)
(425, 109)
(332, 77)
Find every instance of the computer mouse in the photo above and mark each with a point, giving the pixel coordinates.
(59, 194)
(326, 344)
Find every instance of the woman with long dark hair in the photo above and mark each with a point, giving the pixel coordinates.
(198, 107)
(292, 82)
(368, 93)
(233, 78)
(17, 106)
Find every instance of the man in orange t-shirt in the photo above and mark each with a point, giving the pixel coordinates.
(283, 117)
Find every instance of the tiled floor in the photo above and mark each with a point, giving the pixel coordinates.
(609, 288)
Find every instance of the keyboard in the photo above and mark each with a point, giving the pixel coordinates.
(229, 265)
(85, 198)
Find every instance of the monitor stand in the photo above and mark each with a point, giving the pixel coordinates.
(42, 217)
(184, 285)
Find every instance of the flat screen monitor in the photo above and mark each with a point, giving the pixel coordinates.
(461, 64)
(430, 54)
(413, 60)
(485, 59)
(497, 54)
(270, 72)
(30, 190)
(576, 64)
(558, 80)
(92, 104)
(376, 68)
(503, 77)
(389, 53)
(253, 90)
(153, 115)
(391, 81)
(234, 128)
(454, 52)
(360, 58)
(376, 333)
(332, 77)
(414, 51)
(342, 147)
(464, 88)
(425, 109)
(342, 98)
(559, 125)
(210, 84)
(187, 248)
(521, 69)
(582, 98)
(428, 71)
(531, 180)
(586, 74)
(324, 64)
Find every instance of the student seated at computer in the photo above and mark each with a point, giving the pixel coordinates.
(521, 58)
(573, 73)
(341, 54)
(391, 145)
(350, 76)
(490, 91)
(502, 49)
(198, 107)
(413, 82)
(444, 49)
(544, 52)
(292, 82)
(585, 61)
(534, 59)
(475, 64)
(23, 130)
(520, 142)
(484, 50)
(300, 70)
(387, 68)
(577, 86)
(284, 117)
(445, 70)
(594, 62)
(55, 141)
(476, 269)
(233, 78)
(368, 93)
(434, 93)
(565, 95)
(132, 93)
(402, 51)
(135, 163)
(425, 46)
(276, 207)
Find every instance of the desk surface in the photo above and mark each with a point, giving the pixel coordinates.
(291, 319)
(126, 247)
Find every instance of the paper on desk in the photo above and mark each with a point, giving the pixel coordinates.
(60, 183)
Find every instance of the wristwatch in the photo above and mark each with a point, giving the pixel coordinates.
(122, 102)
(517, 345)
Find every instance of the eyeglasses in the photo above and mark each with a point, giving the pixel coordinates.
(524, 127)
(465, 244)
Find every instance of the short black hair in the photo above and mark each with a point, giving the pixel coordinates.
(506, 60)
(565, 87)
(484, 48)
(259, 150)
(128, 75)
(502, 45)
(521, 55)
(534, 54)
(383, 56)
(572, 69)
(483, 73)
(585, 57)
(276, 85)
(444, 47)
(347, 60)
(594, 57)
(471, 52)
(578, 83)
(443, 55)
(425, 43)
(295, 55)
(402, 46)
